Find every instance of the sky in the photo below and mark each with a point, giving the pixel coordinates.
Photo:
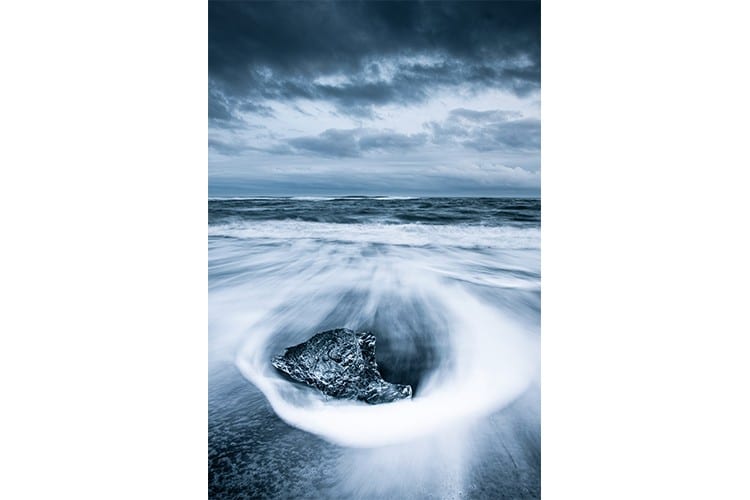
(374, 98)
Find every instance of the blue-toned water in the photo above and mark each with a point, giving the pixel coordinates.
(450, 287)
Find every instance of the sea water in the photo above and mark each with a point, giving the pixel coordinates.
(451, 289)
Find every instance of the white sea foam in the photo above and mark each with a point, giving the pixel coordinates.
(506, 237)
(492, 362)
(281, 282)
(313, 198)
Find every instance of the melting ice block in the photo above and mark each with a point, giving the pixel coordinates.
(341, 364)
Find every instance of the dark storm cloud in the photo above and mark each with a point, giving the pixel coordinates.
(391, 141)
(493, 115)
(492, 130)
(489, 130)
(351, 143)
(519, 135)
(332, 142)
(225, 112)
(389, 52)
(226, 148)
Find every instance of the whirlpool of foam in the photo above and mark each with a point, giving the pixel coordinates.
(456, 319)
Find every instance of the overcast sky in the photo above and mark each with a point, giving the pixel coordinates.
(316, 98)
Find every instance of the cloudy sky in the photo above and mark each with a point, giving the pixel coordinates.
(430, 98)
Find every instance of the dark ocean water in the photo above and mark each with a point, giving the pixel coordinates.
(517, 212)
(450, 287)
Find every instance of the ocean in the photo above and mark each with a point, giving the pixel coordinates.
(451, 289)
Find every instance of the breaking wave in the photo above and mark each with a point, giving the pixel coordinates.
(388, 234)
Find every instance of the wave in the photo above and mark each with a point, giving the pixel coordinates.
(470, 236)
(455, 310)
(487, 360)
(379, 210)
